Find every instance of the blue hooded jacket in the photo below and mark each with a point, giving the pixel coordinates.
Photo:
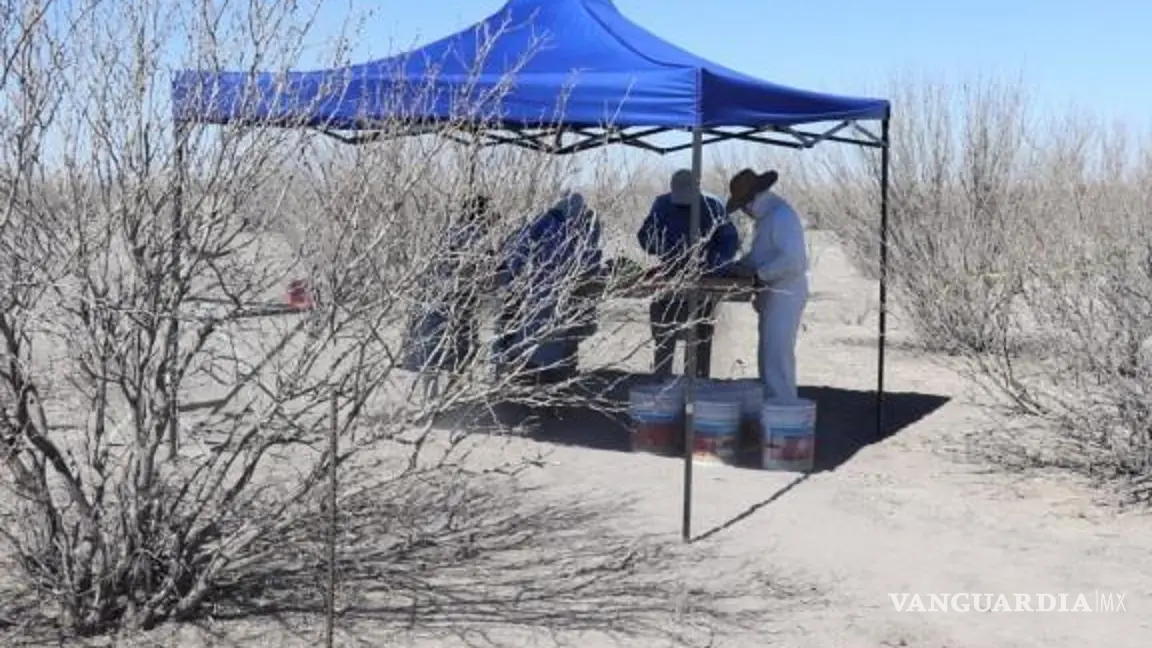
(665, 234)
(556, 243)
(547, 254)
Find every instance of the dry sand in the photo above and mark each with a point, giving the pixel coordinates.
(899, 516)
(902, 515)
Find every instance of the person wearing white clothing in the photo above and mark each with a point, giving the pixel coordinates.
(778, 260)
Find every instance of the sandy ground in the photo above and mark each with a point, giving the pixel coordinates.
(903, 515)
(900, 516)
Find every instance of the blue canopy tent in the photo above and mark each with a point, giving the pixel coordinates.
(558, 76)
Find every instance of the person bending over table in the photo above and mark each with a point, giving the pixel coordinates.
(665, 234)
(442, 331)
(778, 261)
(543, 321)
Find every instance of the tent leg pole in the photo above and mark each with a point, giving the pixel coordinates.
(178, 224)
(690, 347)
(882, 333)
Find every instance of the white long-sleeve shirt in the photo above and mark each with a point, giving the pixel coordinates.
(779, 254)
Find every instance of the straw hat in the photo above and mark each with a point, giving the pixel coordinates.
(746, 185)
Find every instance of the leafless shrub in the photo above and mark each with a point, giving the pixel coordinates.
(1022, 245)
(480, 558)
(957, 208)
(160, 433)
(1078, 343)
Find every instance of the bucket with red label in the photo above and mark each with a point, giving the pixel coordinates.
(657, 413)
(789, 430)
(716, 426)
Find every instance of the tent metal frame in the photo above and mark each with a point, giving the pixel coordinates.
(551, 140)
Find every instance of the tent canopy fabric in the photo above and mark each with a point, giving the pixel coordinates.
(580, 63)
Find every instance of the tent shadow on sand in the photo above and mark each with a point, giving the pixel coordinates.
(845, 417)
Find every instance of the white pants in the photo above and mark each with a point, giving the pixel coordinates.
(780, 309)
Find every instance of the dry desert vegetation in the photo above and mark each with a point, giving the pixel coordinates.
(182, 468)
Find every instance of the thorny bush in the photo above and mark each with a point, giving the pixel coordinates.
(157, 433)
(1021, 246)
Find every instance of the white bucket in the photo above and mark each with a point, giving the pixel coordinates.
(657, 413)
(749, 392)
(710, 388)
(715, 425)
(789, 433)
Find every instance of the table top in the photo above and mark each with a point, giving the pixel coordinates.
(645, 286)
(652, 283)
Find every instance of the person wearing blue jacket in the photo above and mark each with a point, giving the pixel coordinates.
(543, 321)
(443, 331)
(665, 234)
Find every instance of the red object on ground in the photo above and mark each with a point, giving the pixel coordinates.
(300, 294)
